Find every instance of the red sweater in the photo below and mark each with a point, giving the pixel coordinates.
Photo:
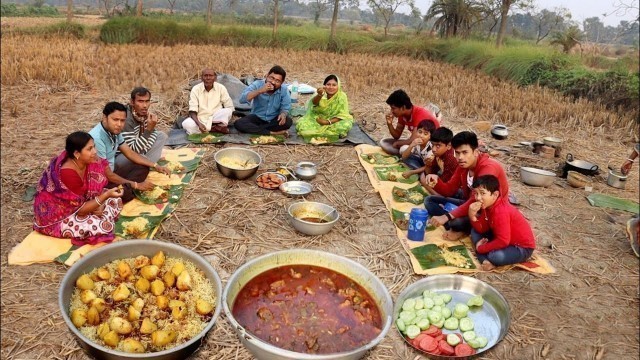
(485, 165)
(449, 163)
(508, 225)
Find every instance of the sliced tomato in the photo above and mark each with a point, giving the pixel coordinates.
(428, 344)
(463, 350)
(439, 337)
(416, 342)
(445, 348)
(431, 331)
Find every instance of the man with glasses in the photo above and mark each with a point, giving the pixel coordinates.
(270, 105)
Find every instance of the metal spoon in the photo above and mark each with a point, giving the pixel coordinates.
(324, 218)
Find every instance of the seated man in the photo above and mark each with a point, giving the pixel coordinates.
(108, 139)
(500, 234)
(210, 106)
(408, 116)
(270, 105)
(472, 164)
(140, 131)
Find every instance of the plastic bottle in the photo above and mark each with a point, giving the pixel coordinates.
(294, 91)
(417, 224)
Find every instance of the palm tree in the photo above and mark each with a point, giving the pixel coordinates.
(453, 17)
(568, 39)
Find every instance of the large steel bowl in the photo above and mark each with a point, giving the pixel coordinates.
(263, 350)
(310, 209)
(242, 155)
(536, 177)
(126, 249)
(492, 320)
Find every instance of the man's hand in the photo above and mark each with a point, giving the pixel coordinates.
(438, 220)
(482, 242)
(201, 127)
(474, 208)
(406, 174)
(432, 180)
(162, 169)
(626, 167)
(152, 121)
(389, 118)
(282, 118)
(267, 87)
(145, 185)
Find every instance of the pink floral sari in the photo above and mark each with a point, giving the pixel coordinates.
(55, 206)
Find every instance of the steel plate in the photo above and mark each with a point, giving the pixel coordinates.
(492, 320)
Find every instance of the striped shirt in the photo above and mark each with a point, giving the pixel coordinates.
(135, 135)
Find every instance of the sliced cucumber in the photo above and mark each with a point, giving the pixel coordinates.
(469, 335)
(423, 324)
(475, 301)
(409, 304)
(460, 311)
(428, 302)
(453, 339)
(401, 325)
(419, 304)
(446, 312)
(466, 324)
(407, 316)
(446, 298)
(413, 331)
(451, 323)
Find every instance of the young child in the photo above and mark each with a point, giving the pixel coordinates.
(500, 233)
(445, 163)
(418, 153)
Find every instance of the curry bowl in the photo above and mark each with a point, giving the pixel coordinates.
(290, 262)
(128, 249)
(312, 218)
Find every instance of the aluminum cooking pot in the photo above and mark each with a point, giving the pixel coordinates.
(581, 166)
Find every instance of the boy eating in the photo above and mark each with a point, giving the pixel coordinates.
(500, 233)
(417, 155)
(445, 162)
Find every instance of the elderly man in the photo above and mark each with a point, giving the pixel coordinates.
(210, 106)
(107, 136)
(140, 132)
(270, 105)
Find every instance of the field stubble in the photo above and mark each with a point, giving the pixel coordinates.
(54, 86)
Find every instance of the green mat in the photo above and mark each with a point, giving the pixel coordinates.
(430, 256)
(394, 173)
(602, 200)
(414, 195)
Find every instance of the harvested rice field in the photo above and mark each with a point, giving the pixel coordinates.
(588, 309)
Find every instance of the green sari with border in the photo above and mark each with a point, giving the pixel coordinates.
(335, 107)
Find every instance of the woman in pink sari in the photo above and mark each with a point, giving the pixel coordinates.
(70, 202)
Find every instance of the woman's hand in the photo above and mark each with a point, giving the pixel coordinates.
(626, 167)
(320, 91)
(322, 121)
(115, 192)
(98, 211)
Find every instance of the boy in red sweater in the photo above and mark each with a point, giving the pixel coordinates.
(472, 164)
(500, 234)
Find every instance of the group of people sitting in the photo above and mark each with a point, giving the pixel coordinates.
(211, 108)
(468, 189)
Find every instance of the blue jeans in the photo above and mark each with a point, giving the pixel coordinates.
(414, 162)
(510, 255)
(432, 204)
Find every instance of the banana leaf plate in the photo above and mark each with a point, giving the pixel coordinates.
(205, 138)
(414, 195)
(126, 230)
(394, 173)
(170, 193)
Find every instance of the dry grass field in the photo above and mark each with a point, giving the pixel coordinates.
(23, 22)
(587, 310)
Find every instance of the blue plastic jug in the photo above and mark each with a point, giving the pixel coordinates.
(417, 224)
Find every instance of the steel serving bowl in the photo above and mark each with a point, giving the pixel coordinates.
(536, 177)
(296, 188)
(492, 320)
(263, 350)
(241, 154)
(126, 249)
(304, 209)
(306, 170)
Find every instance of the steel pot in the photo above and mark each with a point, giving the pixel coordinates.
(616, 179)
(306, 170)
(499, 132)
(581, 166)
(126, 249)
(241, 154)
(263, 350)
(536, 177)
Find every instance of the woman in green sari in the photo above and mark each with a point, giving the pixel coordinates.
(327, 112)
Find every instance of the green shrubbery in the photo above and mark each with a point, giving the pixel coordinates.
(519, 62)
(14, 10)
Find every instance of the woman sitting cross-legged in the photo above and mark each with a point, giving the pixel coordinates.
(71, 201)
(327, 112)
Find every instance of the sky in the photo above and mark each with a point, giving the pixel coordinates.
(580, 9)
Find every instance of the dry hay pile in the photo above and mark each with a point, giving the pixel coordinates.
(587, 310)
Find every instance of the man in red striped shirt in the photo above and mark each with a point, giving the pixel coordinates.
(472, 164)
(409, 116)
(500, 234)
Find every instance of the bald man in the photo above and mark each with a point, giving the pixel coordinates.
(210, 106)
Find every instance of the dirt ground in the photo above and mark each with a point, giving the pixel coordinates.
(587, 310)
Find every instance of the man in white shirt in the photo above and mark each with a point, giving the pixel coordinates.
(210, 106)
